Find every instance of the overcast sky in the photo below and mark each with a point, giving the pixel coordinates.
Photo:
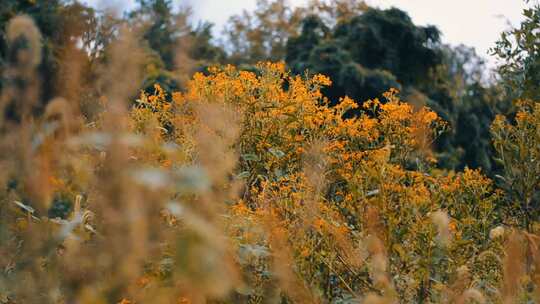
(475, 23)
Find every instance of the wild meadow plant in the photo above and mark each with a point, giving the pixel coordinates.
(248, 187)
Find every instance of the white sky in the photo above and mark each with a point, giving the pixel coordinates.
(475, 23)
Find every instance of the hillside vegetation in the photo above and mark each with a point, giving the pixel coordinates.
(141, 162)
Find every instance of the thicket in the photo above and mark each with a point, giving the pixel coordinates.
(252, 184)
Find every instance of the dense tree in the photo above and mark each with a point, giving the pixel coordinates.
(461, 93)
(367, 54)
(389, 40)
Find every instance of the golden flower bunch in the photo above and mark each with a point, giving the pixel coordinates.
(332, 183)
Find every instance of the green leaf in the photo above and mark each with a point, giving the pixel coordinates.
(243, 175)
(276, 152)
(250, 157)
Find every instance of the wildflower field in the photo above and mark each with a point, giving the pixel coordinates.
(251, 183)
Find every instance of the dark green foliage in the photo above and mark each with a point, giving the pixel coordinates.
(519, 50)
(61, 207)
(389, 40)
(367, 54)
(461, 95)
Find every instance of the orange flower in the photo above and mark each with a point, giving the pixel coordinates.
(167, 163)
(143, 281)
(183, 300)
(305, 252)
(319, 224)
